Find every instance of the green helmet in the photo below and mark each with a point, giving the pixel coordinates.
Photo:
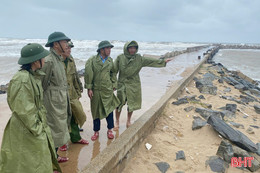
(56, 36)
(104, 44)
(70, 44)
(31, 53)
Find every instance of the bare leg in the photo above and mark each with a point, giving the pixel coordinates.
(117, 120)
(129, 115)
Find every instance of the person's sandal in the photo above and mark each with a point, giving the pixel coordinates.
(110, 134)
(63, 148)
(95, 136)
(82, 141)
(62, 159)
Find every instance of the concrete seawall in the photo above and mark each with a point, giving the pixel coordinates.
(188, 50)
(115, 156)
(237, 46)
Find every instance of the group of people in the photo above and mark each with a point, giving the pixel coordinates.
(44, 99)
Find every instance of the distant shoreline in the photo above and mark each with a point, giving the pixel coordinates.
(3, 88)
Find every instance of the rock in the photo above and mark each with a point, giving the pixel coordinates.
(254, 126)
(248, 93)
(232, 99)
(197, 123)
(216, 164)
(255, 92)
(207, 105)
(188, 109)
(162, 166)
(257, 109)
(258, 150)
(201, 97)
(81, 72)
(237, 125)
(204, 81)
(240, 87)
(246, 99)
(195, 79)
(228, 114)
(208, 89)
(231, 107)
(180, 155)
(227, 90)
(250, 130)
(220, 80)
(185, 100)
(222, 108)
(219, 68)
(235, 136)
(206, 86)
(225, 151)
(238, 152)
(210, 76)
(3, 89)
(2, 92)
(206, 113)
(230, 80)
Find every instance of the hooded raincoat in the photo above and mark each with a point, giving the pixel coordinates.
(100, 78)
(129, 84)
(56, 98)
(27, 145)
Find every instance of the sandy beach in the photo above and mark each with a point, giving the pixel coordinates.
(173, 132)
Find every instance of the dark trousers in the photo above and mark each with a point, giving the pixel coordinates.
(110, 122)
(74, 134)
(56, 149)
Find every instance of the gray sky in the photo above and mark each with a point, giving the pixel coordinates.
(233, 21)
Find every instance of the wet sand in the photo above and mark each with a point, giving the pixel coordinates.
(173, 133)
(155, 82)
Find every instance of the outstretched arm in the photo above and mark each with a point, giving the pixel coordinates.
(153, 62)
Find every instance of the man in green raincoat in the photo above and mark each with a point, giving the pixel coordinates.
(27, 145)
(75, 89)
(56, 98)
(129, 64)
(101, 83)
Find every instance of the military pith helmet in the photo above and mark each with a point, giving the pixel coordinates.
(70, 44)
(104, 44)
(32, 52)
(56, 36)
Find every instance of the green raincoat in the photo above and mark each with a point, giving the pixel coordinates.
(129, 84)
(27, 145)
(75, 90)
(56, 98)
(100, 78)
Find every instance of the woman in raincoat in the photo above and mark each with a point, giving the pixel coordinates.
(129, 64)
(27, 145)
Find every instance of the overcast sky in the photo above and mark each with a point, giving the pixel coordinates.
(233, 21)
